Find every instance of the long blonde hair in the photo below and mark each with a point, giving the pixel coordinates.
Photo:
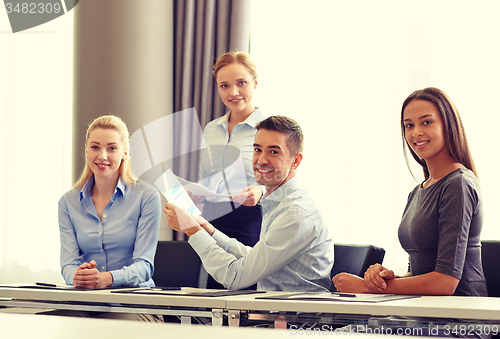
(116, 124)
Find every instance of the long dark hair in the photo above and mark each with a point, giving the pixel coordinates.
(454, 133)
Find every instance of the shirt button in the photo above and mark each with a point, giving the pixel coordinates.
(103, 267)
(112, 200)
(100, 232)
(104, 216)
(102, 250)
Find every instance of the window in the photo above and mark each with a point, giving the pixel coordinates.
(36, 88)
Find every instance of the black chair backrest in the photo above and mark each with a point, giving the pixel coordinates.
(490, 254)
(176, 265)
(355, 259)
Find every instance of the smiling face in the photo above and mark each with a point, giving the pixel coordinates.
(104, 152)
(273, 165)
(236, 85)
(424, 130)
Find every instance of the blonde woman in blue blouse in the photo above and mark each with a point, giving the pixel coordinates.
(109, 222)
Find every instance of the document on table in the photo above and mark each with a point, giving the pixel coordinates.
(54, 286)
(336, 296)
(40, 285)
(201, 293)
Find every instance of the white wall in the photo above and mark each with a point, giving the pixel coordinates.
(342, 69)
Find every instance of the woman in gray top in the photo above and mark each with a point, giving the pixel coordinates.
(441, 225)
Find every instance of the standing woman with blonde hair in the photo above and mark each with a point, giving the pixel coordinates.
(109, 222)
(236, 77)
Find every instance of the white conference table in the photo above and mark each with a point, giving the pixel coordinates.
(239, 307)
(26, 326)
(109, 300)
(421, 310)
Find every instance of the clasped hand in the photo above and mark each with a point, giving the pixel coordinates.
(376, 277)
(87, 276)
(375, 280)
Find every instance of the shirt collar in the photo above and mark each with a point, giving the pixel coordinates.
(255, 118)
(224, 119)
(252, 120)
(120, 186)
(87, 188)
(284, 190)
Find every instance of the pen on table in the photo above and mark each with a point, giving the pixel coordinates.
(158, 288)
(45, 284)
(344, 294)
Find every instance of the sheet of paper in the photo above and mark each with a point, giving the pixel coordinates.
(175, 194)
(199, 189)
(200, 293)
(336, 296)
(312, 295)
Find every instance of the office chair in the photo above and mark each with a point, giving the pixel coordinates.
(355, 259)
(490, 252)
(178, 265)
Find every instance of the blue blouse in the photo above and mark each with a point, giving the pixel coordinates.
(122, 243)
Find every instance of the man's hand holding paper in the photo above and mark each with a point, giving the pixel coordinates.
(180, 220)
(249, 196)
